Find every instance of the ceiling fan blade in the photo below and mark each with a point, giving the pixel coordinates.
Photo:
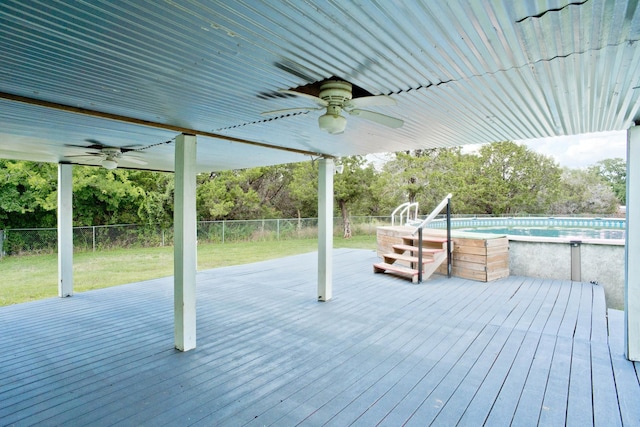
(370, 101)
(128, 148)
(382, 119)
(290, 110)
(313, 98)
(84, 161)
(94, 148)
(135, 160)
(97, 145)
(86, 156)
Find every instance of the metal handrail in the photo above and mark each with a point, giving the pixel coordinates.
(445, 202)
(404, 208)
(433, 213)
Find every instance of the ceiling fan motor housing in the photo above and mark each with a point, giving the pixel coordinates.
(113, 153)
(335, 92)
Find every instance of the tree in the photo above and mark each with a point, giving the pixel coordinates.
(509, 178)
(218, 194)
(102, 196)
(243, 194)
(426, 177)
(27, 194)
(156, 207)
(584, 192)
(303, 188)
(271, 183)
(614, 172)
(352, 187)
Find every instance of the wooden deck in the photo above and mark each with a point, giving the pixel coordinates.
(518, 351)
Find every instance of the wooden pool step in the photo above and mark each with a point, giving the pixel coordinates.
(404, 259)
(398, 270)
(412, 259)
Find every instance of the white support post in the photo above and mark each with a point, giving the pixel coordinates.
(185, 243)
(65, 230)
(632, 267)
(325, 229)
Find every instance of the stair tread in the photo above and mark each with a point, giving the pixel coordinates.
(395, 268)
(408, 258)
(415, 248)
(426, 238)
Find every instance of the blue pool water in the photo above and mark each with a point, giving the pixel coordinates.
(573, 233)
(572, 228)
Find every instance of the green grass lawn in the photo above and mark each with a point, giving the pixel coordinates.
(32, 277)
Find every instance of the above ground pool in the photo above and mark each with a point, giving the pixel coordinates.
(578, 228)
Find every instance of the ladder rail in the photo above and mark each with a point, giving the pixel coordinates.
(405, 209)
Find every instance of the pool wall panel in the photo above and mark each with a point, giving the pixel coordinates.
(601, 263)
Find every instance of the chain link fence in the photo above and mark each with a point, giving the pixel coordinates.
(32, 241)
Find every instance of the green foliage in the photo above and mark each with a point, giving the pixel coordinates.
(352, 188)
(584, 191)
(427, 176)
(510, 179)
(27, 194)
(614, 172)
(502, 178)
(303, 188)
(156, 207)
(247, 194)
(102, 196)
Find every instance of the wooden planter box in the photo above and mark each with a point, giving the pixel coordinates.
(476, 256)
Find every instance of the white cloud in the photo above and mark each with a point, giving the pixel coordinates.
(580, 151)
(573, 151)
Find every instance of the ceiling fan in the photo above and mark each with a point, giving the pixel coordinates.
(336, 96)
(105, 156)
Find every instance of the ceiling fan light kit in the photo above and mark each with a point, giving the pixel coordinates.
(332, 123)
(109, 163)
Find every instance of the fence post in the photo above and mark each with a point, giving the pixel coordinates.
(2, 234)
(94, 237)
(223, 224)
(162, 237)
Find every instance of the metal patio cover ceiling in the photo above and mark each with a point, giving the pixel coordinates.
(462, 72)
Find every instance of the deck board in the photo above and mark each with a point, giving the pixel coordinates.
(518, 351)
(532, 395)
(625, 373)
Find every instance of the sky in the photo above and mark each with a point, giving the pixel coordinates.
(581, 151)
(575, 151)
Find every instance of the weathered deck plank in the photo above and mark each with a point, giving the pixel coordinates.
(625, 374)
(383, 351)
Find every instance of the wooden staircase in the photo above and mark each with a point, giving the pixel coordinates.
(403, 261)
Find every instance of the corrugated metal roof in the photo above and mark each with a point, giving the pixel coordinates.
(462, 72)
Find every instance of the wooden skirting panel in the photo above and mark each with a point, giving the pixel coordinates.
(482, 257)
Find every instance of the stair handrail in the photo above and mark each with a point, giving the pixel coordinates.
(434, 213)
(404, 208)
(445, 202)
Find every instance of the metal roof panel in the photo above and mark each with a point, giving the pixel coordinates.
(461, 72)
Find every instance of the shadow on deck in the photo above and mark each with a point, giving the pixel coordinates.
(518, 351)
